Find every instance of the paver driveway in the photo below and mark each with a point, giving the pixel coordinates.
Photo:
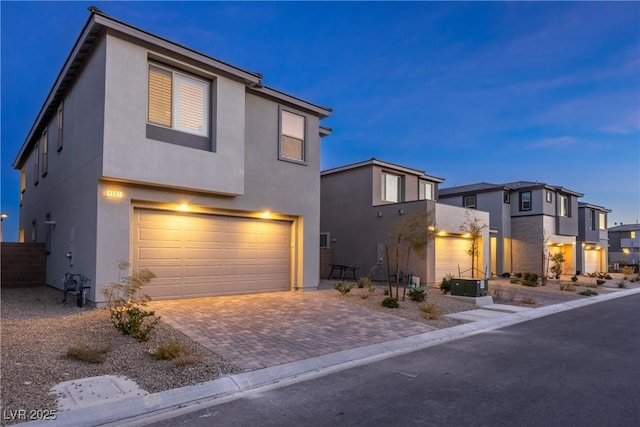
(263, 330)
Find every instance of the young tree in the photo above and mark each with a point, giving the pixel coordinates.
(416, 231)
(473, 226)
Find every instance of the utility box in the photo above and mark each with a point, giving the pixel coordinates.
(469, 287)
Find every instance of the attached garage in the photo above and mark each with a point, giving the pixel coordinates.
(591, 261)
(452, 257)
(196, 255)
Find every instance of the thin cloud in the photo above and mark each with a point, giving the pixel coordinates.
(559, 142)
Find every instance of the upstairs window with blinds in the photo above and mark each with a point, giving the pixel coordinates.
(178, 101)
(292, 138)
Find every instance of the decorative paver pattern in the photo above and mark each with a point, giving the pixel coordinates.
(264, 330)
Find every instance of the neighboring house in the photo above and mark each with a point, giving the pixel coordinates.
(592, 244)
(149, 152)
(527, 220)
(624, 244)
(362, 202)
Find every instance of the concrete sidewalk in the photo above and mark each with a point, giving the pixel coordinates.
(144, 409)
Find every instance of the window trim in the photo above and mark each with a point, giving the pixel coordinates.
(522, 201)
(45, 152)
(422, 195)
(470, 201)
(327, 237)
(383, 188)
(60, 125)
(36, 163)
(172, 134)
(281, 135)
(563, 207)
(549, 196)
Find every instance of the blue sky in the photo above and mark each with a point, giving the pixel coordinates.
(494, 92)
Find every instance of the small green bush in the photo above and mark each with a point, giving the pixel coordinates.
(506, 275)
(627, 271)
(417, 295)
(364, 282)
(574, 278)
(587, 293)
(342, 288)
(568, 287)
(530, 283)
(531, 277)
(390, 302)
(87, 354)
(514, 281)
(445, 286)
(621, 284)
(600, 282)
(608, 276)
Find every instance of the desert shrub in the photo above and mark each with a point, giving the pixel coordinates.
(514, 281)
(429, 311)
(364, 282)
(417, 295)
(518, 275)
(87, 354)
(532, 277)
(367, 288)
(125, 302)
(574, 278)
(530, 283)
(636, 278)
(506, 275)
(592, 274)
(587, 293)
(600, 282)
(621, 284)
(390, 302)
(608, 276)
(627, 271)
(343, 288)
(445, 285)
(528, 300)
(168, 351)
(568, 287)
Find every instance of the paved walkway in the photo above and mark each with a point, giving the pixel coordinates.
(264, 330)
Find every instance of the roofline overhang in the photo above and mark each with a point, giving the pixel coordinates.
(375, 162)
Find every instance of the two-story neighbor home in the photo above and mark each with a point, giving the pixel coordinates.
(624, 245)
(527, 220)
(592, 245)
(150, 152)
(362, 202)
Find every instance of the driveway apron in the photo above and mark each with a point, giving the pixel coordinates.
(264, 330)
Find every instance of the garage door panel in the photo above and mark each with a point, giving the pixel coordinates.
(451, 257)
(198, 255)
(591, 258)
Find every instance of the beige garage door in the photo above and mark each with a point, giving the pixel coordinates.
(203, 255)
(591, 258)
(450, 256)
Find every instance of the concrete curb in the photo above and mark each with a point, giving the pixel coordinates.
(142, 410)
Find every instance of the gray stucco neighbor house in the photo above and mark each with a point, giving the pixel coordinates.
(592, 245)
(360, 204)
(527, 220)
(149, 152)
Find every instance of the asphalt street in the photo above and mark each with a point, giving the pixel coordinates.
(576, 368)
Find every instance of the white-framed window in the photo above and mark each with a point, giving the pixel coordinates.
(563, 202)
(391, 187)
(525, 201)
(325, 241)
(603, 221)
(178, 101)
(425, 190)
(36, 162)
(506, 197)
(469, 201)
(549, 196)
(292, 136)
(44, 141)
(60, 117)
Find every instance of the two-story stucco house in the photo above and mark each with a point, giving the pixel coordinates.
(592, 245)
(362, 202)
(527, 219)
(150, 152)
(624, 245)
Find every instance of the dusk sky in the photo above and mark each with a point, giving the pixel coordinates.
(470, 92)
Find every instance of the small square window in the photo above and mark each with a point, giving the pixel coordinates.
(470, 201)
(292, 136)
(324, 241)
(549, 197)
